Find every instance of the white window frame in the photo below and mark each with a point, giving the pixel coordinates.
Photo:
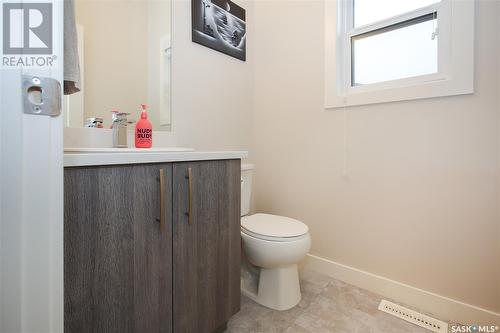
(455, 74)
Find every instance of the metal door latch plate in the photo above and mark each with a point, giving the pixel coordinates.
(41, 95)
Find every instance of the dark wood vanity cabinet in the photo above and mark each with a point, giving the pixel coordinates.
(206, 251)
(152, 247)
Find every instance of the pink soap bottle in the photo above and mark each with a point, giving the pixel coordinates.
(143, 130)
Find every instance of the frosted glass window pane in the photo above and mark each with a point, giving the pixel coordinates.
(370, 11)
(401, 53)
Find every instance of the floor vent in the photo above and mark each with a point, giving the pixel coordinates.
(414, 317)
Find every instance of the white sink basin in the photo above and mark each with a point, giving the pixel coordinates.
(126, 150)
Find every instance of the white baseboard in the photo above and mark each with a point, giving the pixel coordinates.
(440, 306)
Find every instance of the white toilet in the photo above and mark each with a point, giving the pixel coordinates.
(274, 244)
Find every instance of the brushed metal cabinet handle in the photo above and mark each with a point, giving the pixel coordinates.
(162, 200)
(190, 191)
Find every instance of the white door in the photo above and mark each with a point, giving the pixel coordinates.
(31, 172)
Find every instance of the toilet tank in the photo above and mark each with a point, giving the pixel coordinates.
(246, 187)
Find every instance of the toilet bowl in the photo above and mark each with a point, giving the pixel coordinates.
(274, 245)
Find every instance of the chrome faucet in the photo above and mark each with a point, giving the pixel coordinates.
(119, 124)
(94, 122)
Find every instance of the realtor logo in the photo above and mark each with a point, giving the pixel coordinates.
(27, 28)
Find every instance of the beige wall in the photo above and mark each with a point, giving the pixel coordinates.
(212, 93)
(418, 202)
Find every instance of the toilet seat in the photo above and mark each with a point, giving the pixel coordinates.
(273, 228)
(273, 239)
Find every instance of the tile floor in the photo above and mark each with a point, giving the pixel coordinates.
(327, 305)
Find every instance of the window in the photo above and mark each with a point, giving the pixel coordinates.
(389, 50)
(395, 52)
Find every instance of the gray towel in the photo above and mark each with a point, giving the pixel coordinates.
(71, 63)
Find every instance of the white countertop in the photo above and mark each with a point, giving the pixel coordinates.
(126, 150)
(74, 157)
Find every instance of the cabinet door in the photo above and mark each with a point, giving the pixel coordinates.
(117, 261)
(206, 253)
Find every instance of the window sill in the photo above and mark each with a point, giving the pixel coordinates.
(429, 89)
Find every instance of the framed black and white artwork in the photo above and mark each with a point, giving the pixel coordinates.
(220, 25)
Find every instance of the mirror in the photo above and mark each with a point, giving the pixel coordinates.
(125, 60)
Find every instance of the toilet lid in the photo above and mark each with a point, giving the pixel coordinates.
(273, 226)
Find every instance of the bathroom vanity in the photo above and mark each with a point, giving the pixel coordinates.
(151, 241)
